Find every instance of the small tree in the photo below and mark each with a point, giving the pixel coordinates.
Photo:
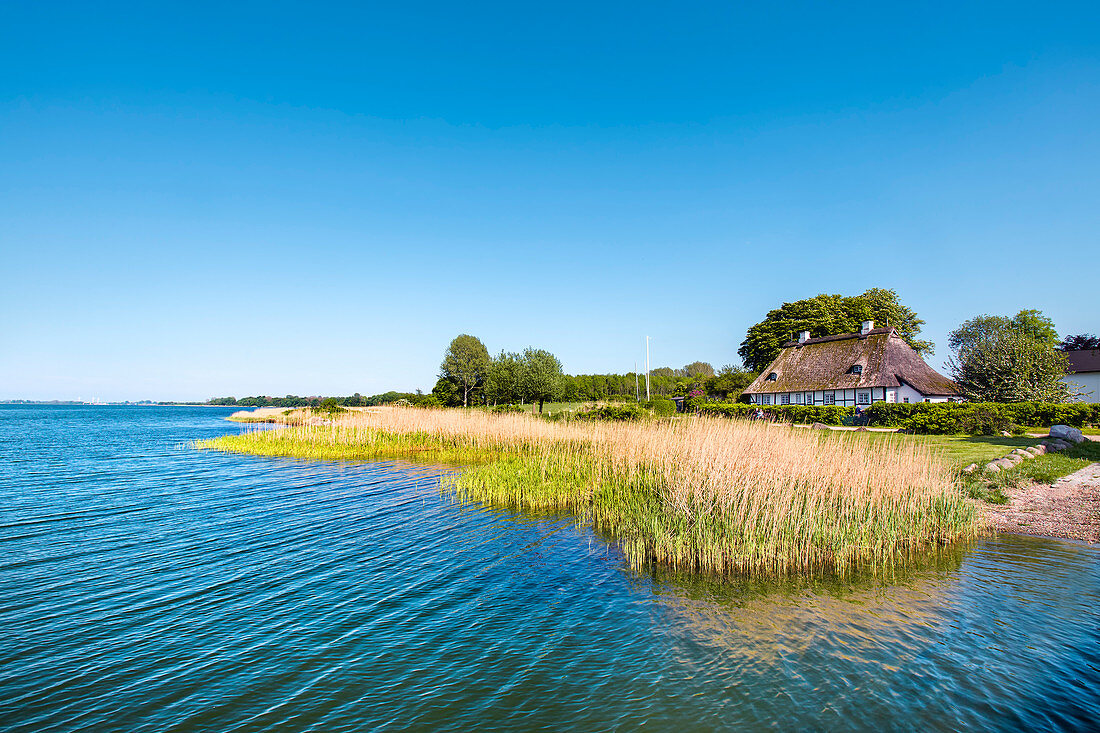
(730, 381)
(999, 359)
(465, 365)
(541, 376)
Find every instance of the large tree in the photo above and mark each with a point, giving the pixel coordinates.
(503, 383)
(826, 315)
(465, 365)
(541, 376)
(1001, 359)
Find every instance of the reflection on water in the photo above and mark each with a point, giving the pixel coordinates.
(145, 586)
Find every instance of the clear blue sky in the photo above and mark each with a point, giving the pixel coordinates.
(202, 200)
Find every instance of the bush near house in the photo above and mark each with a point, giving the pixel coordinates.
(926, 418)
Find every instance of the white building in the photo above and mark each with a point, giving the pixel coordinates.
(1084, 371)
(850, 369)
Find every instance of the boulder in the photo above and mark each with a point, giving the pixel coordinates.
(971, 468)
(992, 467)
(1005, 463)
(1061, 445)
(1022, 453)
(820, 426)
(1035, 451)
(1066, 433)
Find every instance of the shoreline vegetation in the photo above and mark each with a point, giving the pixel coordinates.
(698, 493)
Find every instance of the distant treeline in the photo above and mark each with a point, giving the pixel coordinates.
(355, 400)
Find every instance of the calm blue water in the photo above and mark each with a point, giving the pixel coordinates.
(148, 586)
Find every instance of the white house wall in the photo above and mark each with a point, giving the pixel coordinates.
(1088, 382)
(851, 397)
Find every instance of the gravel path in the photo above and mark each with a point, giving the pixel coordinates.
(1068, 508)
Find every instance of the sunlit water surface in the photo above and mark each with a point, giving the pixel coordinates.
(145, 585)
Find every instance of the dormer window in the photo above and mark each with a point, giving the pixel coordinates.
(856, 369)
(772, 377)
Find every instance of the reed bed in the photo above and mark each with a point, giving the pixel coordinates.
(698, 493)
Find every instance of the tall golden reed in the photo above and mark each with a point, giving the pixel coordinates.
(698, 492)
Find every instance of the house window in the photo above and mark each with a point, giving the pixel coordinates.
(767, 399)
(830, 398)
(856, 369)
(905, 400)
(772, 377)
(798, 398)
(784, 399)
(809, 398)
(863, 398)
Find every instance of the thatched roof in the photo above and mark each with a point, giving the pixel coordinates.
(1083, 360)
(826, 363)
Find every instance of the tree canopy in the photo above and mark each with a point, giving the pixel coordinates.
(826, 315)
(1001, 359)
(541, 376)
(1080, 341)
(465, 365)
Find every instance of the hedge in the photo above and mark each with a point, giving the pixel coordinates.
(940, 418)
(1043, 414)
(827, 414)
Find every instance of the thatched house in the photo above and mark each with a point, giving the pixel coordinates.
(850, 369)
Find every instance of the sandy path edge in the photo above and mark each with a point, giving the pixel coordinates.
(1070, 508)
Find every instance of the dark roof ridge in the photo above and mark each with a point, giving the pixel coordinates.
(838, 337)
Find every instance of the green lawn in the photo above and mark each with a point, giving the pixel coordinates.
(962, 450)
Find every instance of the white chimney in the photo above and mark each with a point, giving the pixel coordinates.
(803, 336)
(867, 326)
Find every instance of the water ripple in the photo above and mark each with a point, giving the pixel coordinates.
(148, 586)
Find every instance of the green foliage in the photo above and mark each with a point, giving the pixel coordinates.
(825, 315)
(698, 369)
(999, 359)
(331, 405)
(541, 376)
(798, 414)
(730, 382)
(983, 418)
(507, 408)
(504, 383)
(662, 406)
(628, 411)
(444, 391)
(1080, 341)
(465, 365)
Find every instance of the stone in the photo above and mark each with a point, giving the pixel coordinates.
(971, 468)
(992, 467)
(862, 430)
(1006, 434)
(820, 426)
(1005, 463)
(1040, 449)
(1066, 433)
(1034, 451)
(1022, 453)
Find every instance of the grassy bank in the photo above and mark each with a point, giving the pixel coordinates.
(700, 494)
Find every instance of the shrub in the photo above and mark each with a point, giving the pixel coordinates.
(625, 411)
(662, 406)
